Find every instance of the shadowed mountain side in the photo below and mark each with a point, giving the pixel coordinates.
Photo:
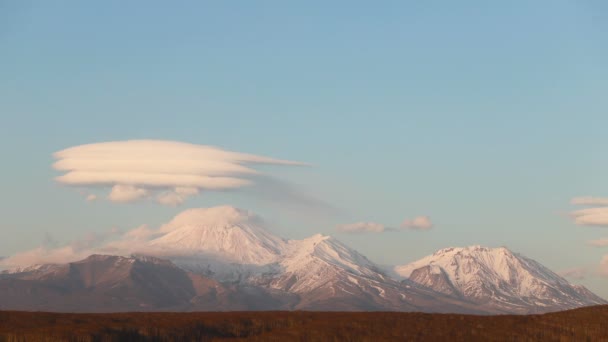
(103, 283)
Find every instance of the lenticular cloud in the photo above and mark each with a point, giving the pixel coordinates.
(168, 171)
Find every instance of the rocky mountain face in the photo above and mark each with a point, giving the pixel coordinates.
(223, 258)
(497, 280)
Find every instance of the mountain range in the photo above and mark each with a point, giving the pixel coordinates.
(222, 258)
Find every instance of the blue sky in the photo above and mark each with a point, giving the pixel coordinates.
(489, 118)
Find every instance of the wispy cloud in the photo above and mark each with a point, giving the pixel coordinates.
(591, 216)
(595, 216)
(50, 253)
(418, 223)
(166, 171)
(361, 227)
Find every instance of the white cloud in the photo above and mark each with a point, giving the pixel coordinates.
(91, 198)
(591, 216)
(362, 227)
(137, 168)
(598, 243)
(126, 193)
(419, 223)
(596, 216)
(577, 273)
(589, 200)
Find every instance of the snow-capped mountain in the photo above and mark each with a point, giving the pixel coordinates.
(232, 246)
(321, 268)
(233, 234)
(497, 279)
(223, 258)
(225, 242)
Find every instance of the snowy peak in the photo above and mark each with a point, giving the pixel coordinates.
(495, 276)
(466, 260)
(232, 234)
(328, 250)
(324, 266)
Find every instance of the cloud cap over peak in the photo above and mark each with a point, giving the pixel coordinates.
(136, 169)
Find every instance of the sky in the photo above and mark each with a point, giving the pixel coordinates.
(420, 125)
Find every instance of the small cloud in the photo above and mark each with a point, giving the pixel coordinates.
(418, 223)
(574, 273)
(595, 216)
(589, 200)
(591, 216)
(126, 193)
(362, 227)
(177, 196)
(598, 243)
(91, 198)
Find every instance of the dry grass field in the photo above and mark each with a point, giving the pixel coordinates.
(587, 324)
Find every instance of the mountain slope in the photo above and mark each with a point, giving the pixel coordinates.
(497, 279)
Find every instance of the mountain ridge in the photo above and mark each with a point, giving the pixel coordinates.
(242, 265)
